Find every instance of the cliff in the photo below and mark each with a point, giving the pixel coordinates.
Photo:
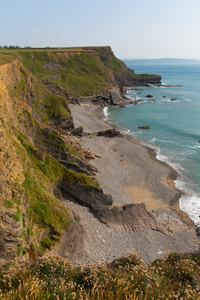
(36, 158)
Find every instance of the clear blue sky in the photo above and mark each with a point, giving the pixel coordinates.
(133, 28)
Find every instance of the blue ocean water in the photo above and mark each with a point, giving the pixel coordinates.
(174, 125)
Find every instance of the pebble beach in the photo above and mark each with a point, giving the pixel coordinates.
(130, 173)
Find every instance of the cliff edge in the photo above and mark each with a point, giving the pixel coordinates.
(39, 159)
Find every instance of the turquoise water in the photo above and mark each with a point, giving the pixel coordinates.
(174, 125)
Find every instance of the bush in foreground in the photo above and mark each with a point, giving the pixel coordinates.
(176, 277)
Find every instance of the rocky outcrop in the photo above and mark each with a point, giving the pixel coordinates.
(144, 127)
(142, 80)
(130, 217)
(72, 245)
(84, 194)
(116, 98)
(109, 133)
(77, 131)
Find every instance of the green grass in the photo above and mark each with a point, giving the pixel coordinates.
(26, 57)
(6, 56)
(82, 74)
(17, 216)
(8, 203)
(53, 106)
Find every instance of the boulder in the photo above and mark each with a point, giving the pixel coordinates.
(144, 127)
(198, 231)
(78, 131)
(116, 99)
(89, 155)
(149, 96)
(109, 133)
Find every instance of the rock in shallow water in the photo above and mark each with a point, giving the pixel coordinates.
(144, 127)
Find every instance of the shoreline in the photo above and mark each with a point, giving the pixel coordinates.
(170, 181)
(130, 172)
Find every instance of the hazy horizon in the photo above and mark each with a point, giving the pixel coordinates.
(135, 29)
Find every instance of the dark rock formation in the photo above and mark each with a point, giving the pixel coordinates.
(64, 123)
(109, 133)
(198, 231)
(137, 101)
(142, 80)
(149, 96)
(144, 127)
(78, 131)
(84, 194)
(79, 165)
(51, 66)
(130, 217)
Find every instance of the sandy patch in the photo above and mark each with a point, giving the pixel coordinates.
(140, 195)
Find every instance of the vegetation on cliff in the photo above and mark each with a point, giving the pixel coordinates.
(35, 87)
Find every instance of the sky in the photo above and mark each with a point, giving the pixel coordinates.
(135, 29)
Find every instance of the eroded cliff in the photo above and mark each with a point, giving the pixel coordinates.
(36, 86)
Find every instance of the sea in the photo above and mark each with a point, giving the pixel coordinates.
(174, 125)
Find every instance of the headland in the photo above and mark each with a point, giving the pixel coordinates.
(70, 183)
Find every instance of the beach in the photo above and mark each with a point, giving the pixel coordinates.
(130, 173)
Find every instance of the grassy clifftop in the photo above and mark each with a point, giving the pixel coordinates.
(79, 71)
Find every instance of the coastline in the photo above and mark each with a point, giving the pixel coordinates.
(169, 181)
(131, 173)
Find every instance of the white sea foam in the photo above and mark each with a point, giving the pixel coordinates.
(194, 147)
(190, 204)
(154, 140)
(105, 111)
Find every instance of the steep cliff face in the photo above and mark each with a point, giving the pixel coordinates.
(13, 205)
(35, 156)
(35, 87)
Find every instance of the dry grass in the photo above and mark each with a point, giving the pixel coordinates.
(176, 277)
